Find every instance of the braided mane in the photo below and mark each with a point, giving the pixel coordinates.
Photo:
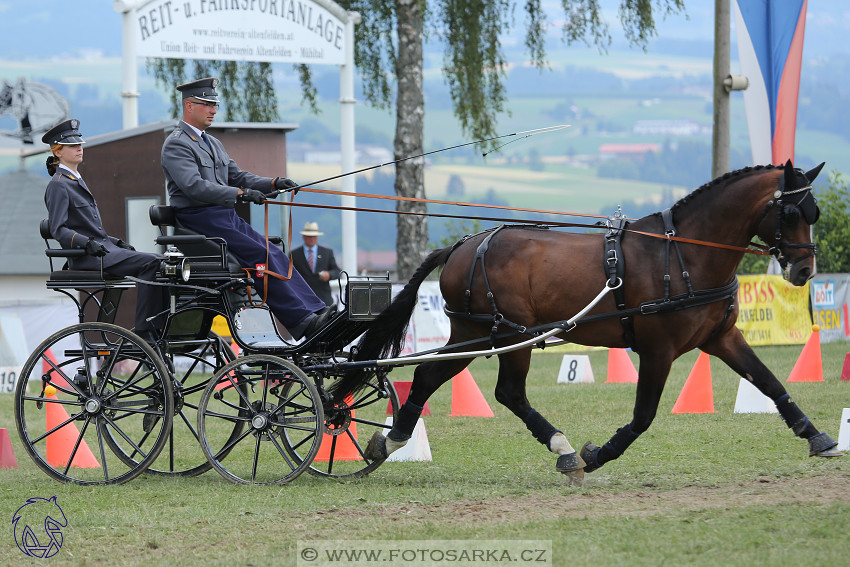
(720, 181)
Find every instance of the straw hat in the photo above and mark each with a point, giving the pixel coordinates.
(311, 229)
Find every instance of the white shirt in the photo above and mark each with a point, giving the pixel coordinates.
(74, 173)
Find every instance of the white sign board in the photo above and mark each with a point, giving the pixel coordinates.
(277, 31)
(575, 369)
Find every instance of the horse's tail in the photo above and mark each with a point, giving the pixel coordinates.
(385, 336)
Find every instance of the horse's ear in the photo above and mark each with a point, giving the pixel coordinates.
(790, 176)
(813, 173)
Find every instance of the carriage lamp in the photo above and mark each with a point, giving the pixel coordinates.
(175, 264)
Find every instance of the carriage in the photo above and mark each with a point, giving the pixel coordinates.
(97, 404)
(186, 403)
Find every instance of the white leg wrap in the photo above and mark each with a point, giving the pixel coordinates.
(393, 446)
(558, 444)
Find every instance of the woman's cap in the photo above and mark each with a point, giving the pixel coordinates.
(311, 229)
(202, 89)
(66, 133)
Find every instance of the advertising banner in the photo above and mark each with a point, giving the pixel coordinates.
(772, 311)
(277, 31)
(429, 327)
(830, 294)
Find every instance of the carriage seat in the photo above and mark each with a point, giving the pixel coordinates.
(208, 255)
(75, 279)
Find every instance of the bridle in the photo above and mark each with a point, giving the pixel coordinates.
(809, 213)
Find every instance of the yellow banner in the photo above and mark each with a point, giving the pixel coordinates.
(772, 311)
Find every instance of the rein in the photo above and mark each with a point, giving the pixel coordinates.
(758, 249)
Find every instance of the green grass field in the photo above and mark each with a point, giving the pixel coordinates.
(708, 489)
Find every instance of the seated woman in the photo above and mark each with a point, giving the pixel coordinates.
(75, 223)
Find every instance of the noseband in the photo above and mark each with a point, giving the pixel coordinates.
(809, 214)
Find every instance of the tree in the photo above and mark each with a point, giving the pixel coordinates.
(389, 46)
(832, 231)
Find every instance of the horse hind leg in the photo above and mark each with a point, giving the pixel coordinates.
(511, 393)
(427, 378)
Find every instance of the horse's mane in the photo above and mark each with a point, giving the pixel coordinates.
(719, 181)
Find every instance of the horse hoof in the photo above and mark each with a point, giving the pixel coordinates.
(571, 465)
(822, 445)
(376, 449)
(588, 454)
(570, 462)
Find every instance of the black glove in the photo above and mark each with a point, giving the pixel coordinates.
(284, 185)
(124, 245)
(251, 196)
(95, 248)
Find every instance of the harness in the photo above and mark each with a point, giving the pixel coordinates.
(614, 264)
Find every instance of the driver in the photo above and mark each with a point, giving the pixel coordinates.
(204, 184)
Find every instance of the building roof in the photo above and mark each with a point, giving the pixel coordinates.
(21, 246)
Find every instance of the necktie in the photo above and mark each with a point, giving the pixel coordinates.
(206, 140)
(310, 259)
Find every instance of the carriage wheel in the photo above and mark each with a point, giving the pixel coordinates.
(193, 363)
(272, 400)
(348, 428)
(108, 390)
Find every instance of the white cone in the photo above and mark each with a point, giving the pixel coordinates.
(844, 431)
(417, 448)
(575, 369)
(751, 400)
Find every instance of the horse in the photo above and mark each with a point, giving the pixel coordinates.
(507, 284)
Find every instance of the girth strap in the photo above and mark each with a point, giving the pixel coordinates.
(615, 268)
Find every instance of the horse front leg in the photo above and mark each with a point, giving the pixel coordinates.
(511, 393)
(732, 349)
(652, 375)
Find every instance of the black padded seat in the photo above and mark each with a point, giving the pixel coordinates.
(205, 256)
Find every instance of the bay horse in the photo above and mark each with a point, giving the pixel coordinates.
(523, 279)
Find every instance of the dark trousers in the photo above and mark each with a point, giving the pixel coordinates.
(290, 301)
(151, 299)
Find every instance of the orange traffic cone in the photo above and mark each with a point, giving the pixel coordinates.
(61, 442)
(225, 383)
(55, 377)
(402, 388)
(342, 445)
(845, 372)
(696, 395)
(7, 453)
(467, 399)
(809, 367)
(620, 367)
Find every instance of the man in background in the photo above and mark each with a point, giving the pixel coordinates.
(315, 263)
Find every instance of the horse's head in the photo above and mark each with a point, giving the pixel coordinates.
(788, 229)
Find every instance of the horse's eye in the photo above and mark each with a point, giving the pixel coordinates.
(790, 215)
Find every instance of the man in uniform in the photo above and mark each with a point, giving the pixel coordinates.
(316, 263)
(204, 184)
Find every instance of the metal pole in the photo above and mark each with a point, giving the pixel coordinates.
(720, 136)
(346, 127)
(129, 79)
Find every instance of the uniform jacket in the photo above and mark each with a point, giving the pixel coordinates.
(325, 262)
(74, 218)
(197, 176)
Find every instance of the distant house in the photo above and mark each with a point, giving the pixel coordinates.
(627, 151)
(669, 128)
